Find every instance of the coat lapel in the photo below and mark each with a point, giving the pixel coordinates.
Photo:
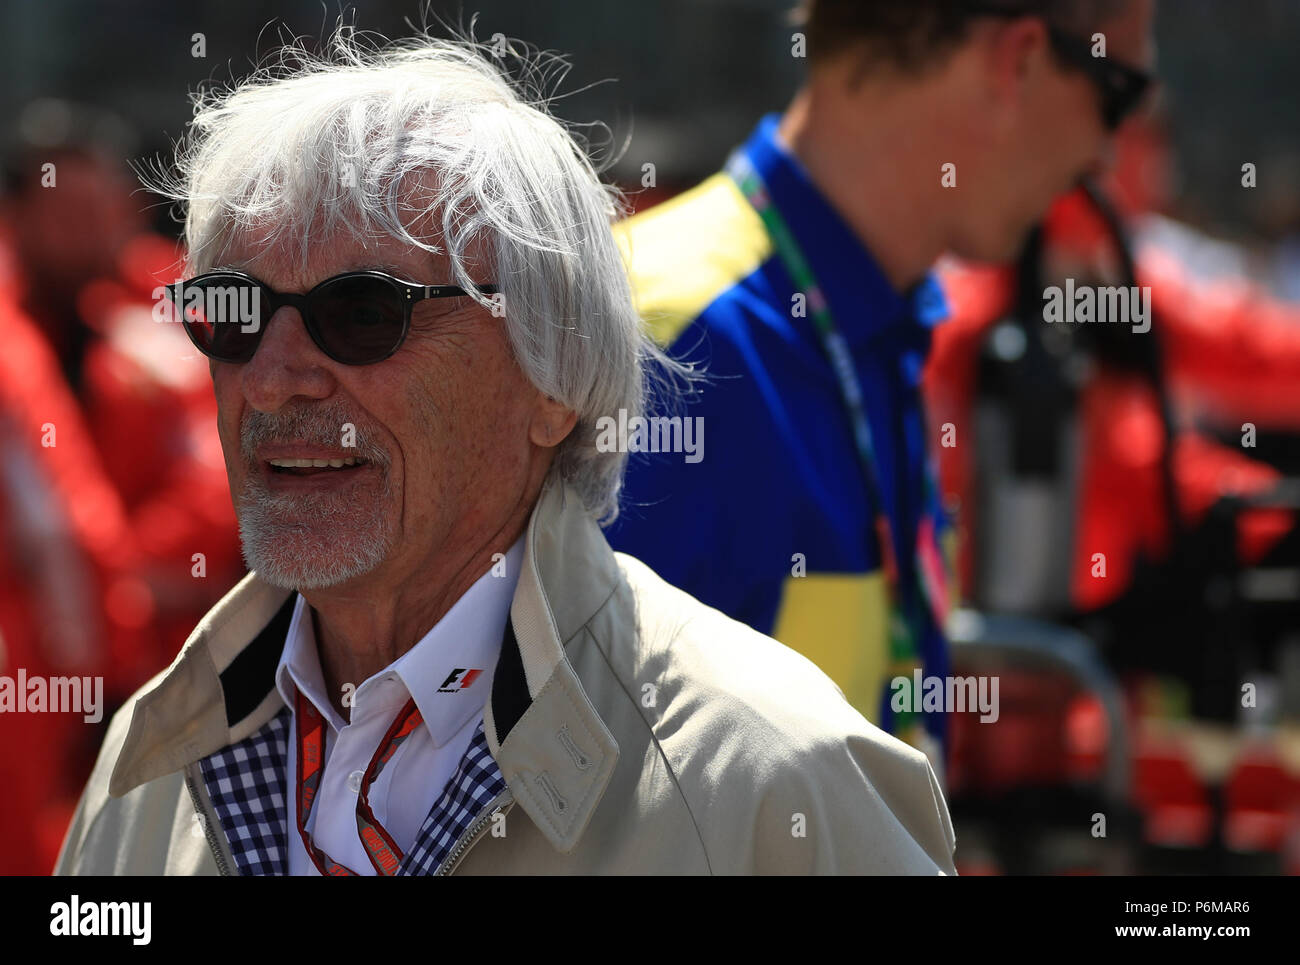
(218, 702)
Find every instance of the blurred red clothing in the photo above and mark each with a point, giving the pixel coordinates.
(148, 400)
(102, 531)
(71, 602)
(1226, 347)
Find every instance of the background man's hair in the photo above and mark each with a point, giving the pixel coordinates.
(913, 35)
(436, 144)
(50, 129)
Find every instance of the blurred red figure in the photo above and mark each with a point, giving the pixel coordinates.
(70, 602)
(116, 530)
(1224, 345)
(142, 386)
(149, 404)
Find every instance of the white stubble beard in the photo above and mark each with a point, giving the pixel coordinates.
(310, 540)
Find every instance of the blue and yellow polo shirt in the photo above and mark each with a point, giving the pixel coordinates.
(773, 525)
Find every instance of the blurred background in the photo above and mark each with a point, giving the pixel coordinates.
(1167, 701)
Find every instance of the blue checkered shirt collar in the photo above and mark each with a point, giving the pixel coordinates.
(247, 784)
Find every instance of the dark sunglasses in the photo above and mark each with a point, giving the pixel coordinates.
(1120, 86)
(356, 318)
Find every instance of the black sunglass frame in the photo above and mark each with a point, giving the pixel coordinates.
(1121, 86)
(408, 293)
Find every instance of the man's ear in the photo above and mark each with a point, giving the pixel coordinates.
(1018, 50)
(1011, 56)
(552, 423)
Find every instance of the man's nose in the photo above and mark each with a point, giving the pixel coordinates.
(287, 363)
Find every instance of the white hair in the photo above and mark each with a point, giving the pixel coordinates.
(313, 145)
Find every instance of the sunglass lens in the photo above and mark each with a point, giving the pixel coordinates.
(359, 320)
(222, 315)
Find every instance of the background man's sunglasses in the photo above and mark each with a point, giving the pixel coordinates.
(355, 318)
(1120, 85)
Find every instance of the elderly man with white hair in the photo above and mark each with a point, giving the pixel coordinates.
(402, 271)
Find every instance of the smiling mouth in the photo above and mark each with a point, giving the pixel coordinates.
(313, 467)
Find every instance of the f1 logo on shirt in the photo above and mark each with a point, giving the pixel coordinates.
(458, 679)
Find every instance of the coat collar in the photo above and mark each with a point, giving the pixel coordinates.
(555, 752)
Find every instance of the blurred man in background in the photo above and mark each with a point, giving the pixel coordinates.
(799, 279)
(69, 599)
(68, 215)
(85, 269)
(113, 506)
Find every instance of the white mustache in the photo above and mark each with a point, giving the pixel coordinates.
(321, 425)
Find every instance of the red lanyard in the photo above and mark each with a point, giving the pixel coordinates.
(380, 847)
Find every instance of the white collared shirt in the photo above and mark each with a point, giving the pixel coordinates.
(466, 639)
